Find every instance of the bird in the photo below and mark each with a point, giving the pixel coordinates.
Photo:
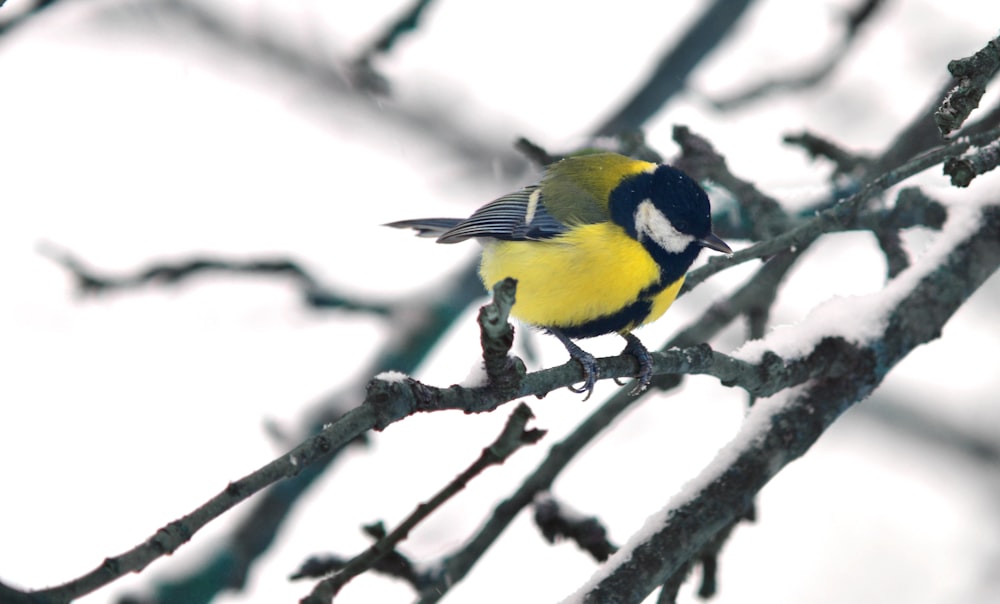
(601, 244)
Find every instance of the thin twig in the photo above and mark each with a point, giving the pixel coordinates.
(314, 295)
(514, 436)
(971, 75)
(363, 73)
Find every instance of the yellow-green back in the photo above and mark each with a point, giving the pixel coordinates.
(576, 189)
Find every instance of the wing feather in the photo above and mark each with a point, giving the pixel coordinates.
(572, 192)
(519, 216)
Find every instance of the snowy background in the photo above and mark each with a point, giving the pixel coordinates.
(128, 135)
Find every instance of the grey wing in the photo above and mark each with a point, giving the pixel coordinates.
(520, 216)
(426, 227)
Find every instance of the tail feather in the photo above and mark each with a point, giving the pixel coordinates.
(426, 227)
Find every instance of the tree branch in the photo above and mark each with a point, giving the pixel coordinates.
(971, 76)
(363, 73)
(781, 429)
(314, 294)
(514, 436)
(844, 215)
(452, 568)
(557, 521)
(11, 23)
(173, 535)
(390, 401)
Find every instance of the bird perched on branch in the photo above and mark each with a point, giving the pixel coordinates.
(600, 245)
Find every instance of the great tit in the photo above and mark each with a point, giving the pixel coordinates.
(601, 244)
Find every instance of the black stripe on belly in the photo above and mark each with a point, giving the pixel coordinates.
(627, 317)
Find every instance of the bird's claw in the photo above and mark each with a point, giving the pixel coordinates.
(636, 348)
(590, 373)
(587, 361)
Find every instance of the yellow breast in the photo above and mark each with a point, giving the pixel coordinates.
(593, 271)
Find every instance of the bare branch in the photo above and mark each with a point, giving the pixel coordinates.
(454, 567)
(971, 76)
(363, 73)
(980, 161)
(173, 535)
(503, 371)
(844, 215)
(514, 436)
(557, 522)
(9, 24)
(817, 146)
(314, 294)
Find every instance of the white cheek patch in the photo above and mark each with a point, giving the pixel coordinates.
(650, 222)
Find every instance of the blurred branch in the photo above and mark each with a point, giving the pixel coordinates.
(760, 212)
(406, 23)
(10, 22)
(514, 436)
(888, 235)
(807, 78)
(91, 282)
(632, 144)
(708, 560)
(557, 521)
(673, 69)
(535, 153)
(917, 137)
(391, 563)
(912, 421)
(363, 73)
(846, 162)
(844, 215)
(782, 429)
(289, 58)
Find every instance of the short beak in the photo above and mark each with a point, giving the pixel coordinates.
(713, 242)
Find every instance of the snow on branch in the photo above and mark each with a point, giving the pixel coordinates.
(971, 76)
(779, 429)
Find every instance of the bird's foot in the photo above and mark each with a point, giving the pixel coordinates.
(590, 370)
(636, 348)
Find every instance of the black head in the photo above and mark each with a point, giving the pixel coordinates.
(669, 213)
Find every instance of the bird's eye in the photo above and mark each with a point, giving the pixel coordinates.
(681, 225)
